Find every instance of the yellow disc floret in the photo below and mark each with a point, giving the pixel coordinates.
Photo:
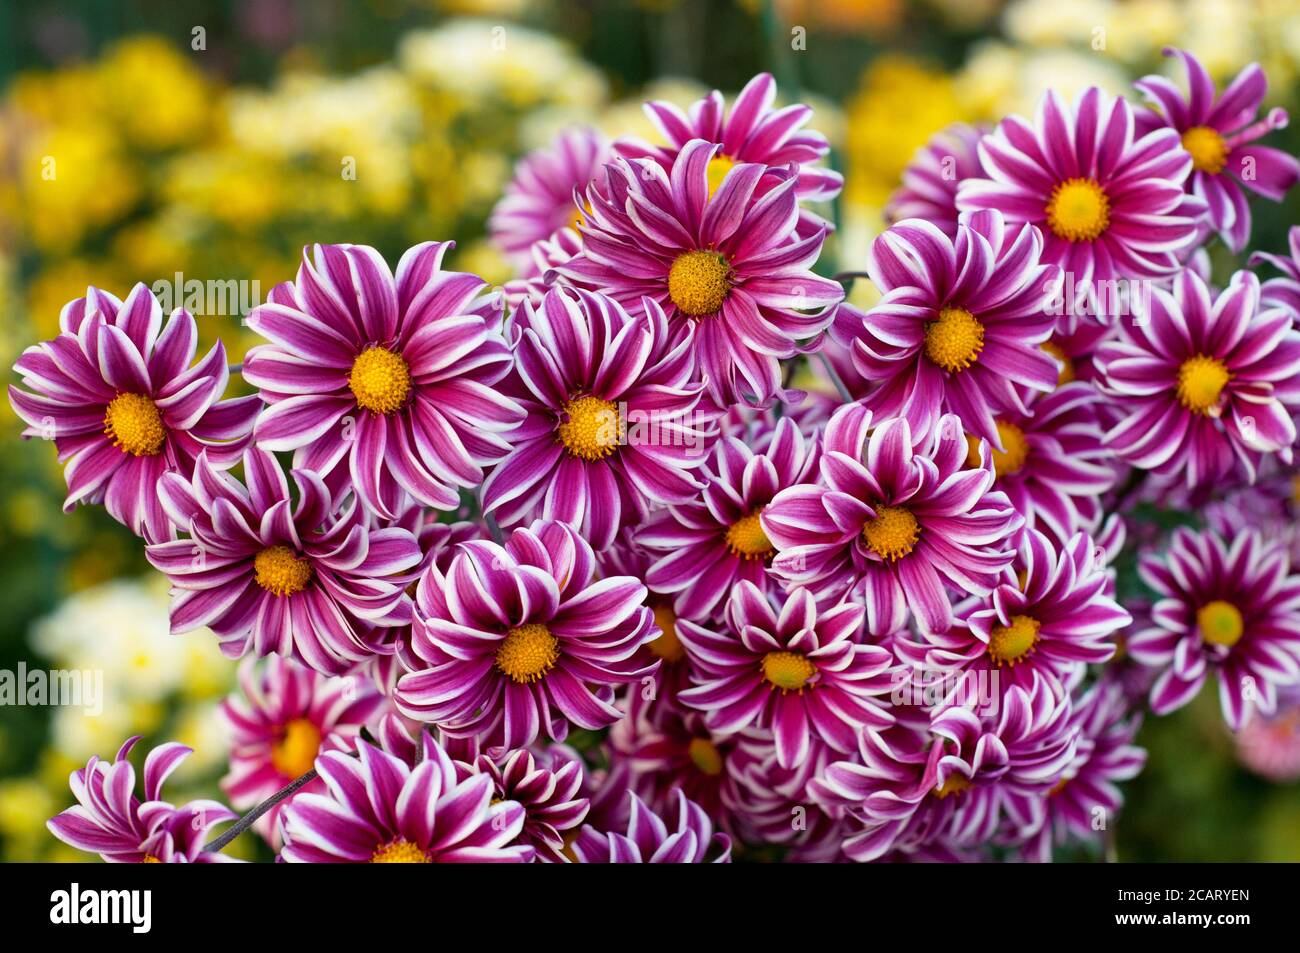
(134, 425)
(953, 784)
(719, 166)
(1011, 643)
(281, 571)
(706, 756)
(1011, 458)
(1208, 149)
(1201, 381)
(1079, 210)
(667, 647)
(295, 753)
(1066, 373)
(955, 340)
(399, 852)
(698, 282)
(788, 671)
(893, 533)
(528, 653)
(1220, 623)
(380, 380)
(746, 539)
(590, 428)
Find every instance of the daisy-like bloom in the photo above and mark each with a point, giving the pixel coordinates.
(111, 821)
(520, 639)
(1204, 381)
(611, 425)
(116, 393)
(728, 262)
(1232, 608)
(284, 716)
(548, 787)
(751, 131)
(929, 189)
(1270, 745)
(960, 324)
(800, 673)
(1284, 290)
(1053, 466)
(544, 256)
(266, 573)
(394, 373)
(1110, 205)
(539, 199)
(955, 779)
(1218, 132)
(649, 840)
(1105, 754)
(707, 546)
(893, 517)
(1049, 615)
(379, 809)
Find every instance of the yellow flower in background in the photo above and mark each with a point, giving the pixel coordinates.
(157, 95)
(58, 283)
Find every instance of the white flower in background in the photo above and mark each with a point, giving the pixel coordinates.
(1055, 22)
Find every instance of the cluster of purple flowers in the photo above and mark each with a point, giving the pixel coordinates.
(881, 621)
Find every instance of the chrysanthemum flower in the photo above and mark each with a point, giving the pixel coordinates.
(929, 189)
(708, 545)
(751, 131)
(650, 841)
(378, 809)
(394, 373)
(539, 199)
(1048, 616)
(276, 576)
(611, 426)
(544, 256)
(1284, 290)
(519, 639)
(729, 262)
(1217, 132)
(955, 779)
(284, 716)
(111, 821)
(800, 673)
(1204, 381)
(1270, 745)
(116, 393)
(1110, 205)
(893, 517)
(1228, 608)
(960, 324)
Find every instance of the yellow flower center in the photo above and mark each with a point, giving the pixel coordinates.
(1079, 210)
(1008, 460)
(1011, 643)
(667, 647)
(399, 852)
(746, 539)
(281, 571)
(528, 653)
(590, 427)
(1220, 623)
(134, 425)
(1201, 380)
(1066, 373)
(380, 380)
(150, 859)
(698, 282)
(1208, 149)
(955, 340)
(295, 753)
(706, 756)
(953, 784)
(788, 671)
(719, 166)
(893, 533)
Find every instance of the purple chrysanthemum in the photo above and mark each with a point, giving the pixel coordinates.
(1110, 205)
(539, 199)
(1232, 608)
(1217, 132)
(930, 181)
(1270, 745)
(276, 576)
(1203, 381)
(116, 393)
(960, 324)
(650, 841)
(708, 545)
(893, 517)
(1284, 290)
(728, 260)
(799, 672)
(379, 809)
(111, 821)
(612, 425)
(394, 373)
(519, 639)
(544, 256)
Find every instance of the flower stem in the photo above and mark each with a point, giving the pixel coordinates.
(249, 819)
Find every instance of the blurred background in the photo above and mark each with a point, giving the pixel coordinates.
(206, 138)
